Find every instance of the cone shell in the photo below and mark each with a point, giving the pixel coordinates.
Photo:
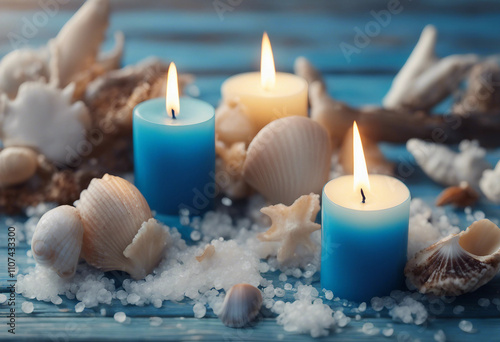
(113, 212)
(17, 165)
(459, 263)
(288, 158)
(241, 305)
(57, 240)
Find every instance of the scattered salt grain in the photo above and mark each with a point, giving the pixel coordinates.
(288, 286)
(195, 235)
(362, 307)
(226, 201)
(3, 298)
(370, 329)
(439, 336)
(279, 292)
(387, 332)
(409, 311)
(329, 295)
(56, 300)
(103, 312)
(155, 321)
(133, 298)
(357, 317)
(199, 310)
(79, 307)
(457, 310)
(483, 302)
(27, 307)
(283, 277)
(120, 317)
(377, 304)
(466, 326)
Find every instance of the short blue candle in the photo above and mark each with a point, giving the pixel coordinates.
(364, 245)
(174, 158)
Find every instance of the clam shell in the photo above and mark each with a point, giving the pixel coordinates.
(288, 158)
(459, 263)
(17, 165)
(241, 305)
(57, 240)
(113, 212)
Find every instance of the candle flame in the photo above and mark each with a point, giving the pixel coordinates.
(267, 69)
(361, 180)
(172, 94)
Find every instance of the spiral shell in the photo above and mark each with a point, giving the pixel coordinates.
(459, 263)
(241, 305)
(119, 233)
(57, 240)
(17, 165)
(288, 158)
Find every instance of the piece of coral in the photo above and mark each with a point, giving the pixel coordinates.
(292, 226)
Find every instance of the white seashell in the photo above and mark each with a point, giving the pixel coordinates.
(21, 66)
(288, 158)
(459, 263)
(17, 165)
(76, 46)
(447, 167)
(118, 232)
(490, 184)
(57, 240)
(44, 118)
(241, 305)
(425, 80)
(232, 123)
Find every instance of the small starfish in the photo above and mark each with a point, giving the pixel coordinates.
(292, 225)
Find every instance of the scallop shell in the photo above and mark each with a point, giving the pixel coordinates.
(76, 46)
(241, 305)
(288, 158)
(46, 119)
(118, 232)
(447, 167)
(232, 123)
(57, 240)
(459, 263)
(17, 165)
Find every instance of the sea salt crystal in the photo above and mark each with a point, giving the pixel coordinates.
(195, 235)
(226, 201)
(457, 310)
(155, 321)
(370, 329)
(279, 292)
(120, 317)
(439, 336)
(278, 307)
(56, 300)
(466, 326)
(199, 310)
(409, 311)
(103, 312)
(133, 298)
(288, 286)
(329, 295)
(377, 304)
(27, 307)
(3, 298)
(387, 332)
(283, 277)
(483, 302)
(357, 317)
(362, 307)
(79, 307)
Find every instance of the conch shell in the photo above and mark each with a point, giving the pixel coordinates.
(490, 184)
(119, 232)
(232, 123)
(241, 305)
(447, 167)
(459, 263)
(57, 240)
(17, 165)
(76, 46)
(288, 158)
(425, 80)
(44, 118)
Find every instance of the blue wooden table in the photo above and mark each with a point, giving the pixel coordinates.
(214, 42)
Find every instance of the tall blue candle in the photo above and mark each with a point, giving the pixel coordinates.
(364, 233)
(174, 151)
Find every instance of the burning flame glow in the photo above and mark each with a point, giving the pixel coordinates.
(172, 95)
(361, 180)
(267, 69)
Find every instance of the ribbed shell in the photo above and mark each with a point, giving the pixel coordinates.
(112, 212)
(241, 305)
(57, 240)
(288, 158)
(459, 263)
(17, 165)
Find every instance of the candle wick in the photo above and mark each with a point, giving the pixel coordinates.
(173, 113)
(363, 195)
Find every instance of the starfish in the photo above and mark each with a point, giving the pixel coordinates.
(292, 225)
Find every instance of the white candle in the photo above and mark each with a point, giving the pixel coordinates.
(267, 95)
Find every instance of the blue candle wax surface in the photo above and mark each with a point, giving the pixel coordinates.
(364, 245)
(174, 159)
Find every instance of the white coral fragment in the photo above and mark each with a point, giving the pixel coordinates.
(44, 118)
(490, 184)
